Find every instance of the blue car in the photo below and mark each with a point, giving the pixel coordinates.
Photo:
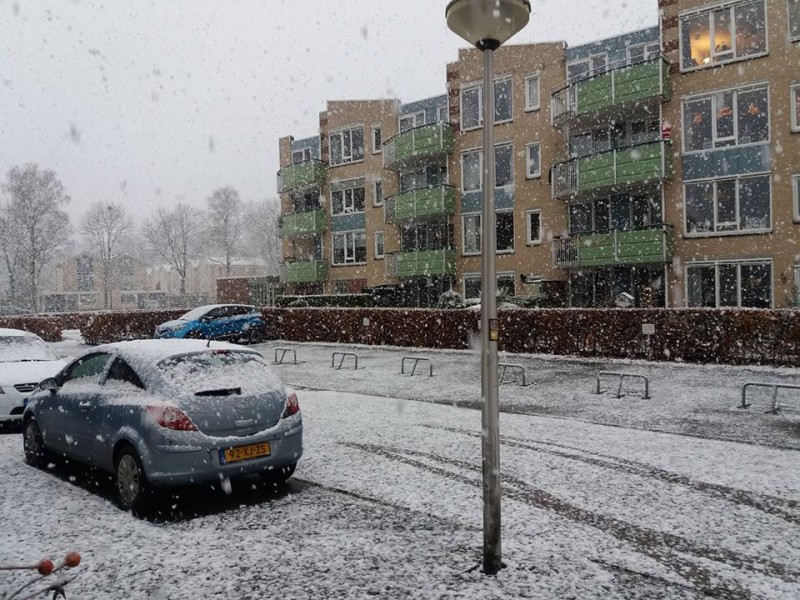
(234, 322)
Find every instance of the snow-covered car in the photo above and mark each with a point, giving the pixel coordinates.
(25, 360)
(166, 412)
(234, 322)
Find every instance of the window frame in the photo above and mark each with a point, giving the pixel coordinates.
(531, 106)
(529, 239)
(650, 51)
(796, 38)
(794, 106)
(464, 251)
(353, 246)
(416, 118)
(305, 155)
(506, 275)
(714, 182)
(377, 184)
(343, 191)
(796, 196)
(375, 236)
(353, 157)
(468, 87)
(717, 290)
(538, 173)
(377, 148)
(479, 152)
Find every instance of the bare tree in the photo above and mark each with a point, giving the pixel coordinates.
(176, 236)
(35, 210)
(105, 227)
(262, 232)
(12, 253)
(225, 208)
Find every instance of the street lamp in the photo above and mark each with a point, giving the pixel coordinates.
(487, 25)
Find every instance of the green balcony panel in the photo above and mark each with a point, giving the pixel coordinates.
(426, 263)
(419, 146)
(305, 271)
(641, 247)
(301, 175)
(303, 223)
(425, 203)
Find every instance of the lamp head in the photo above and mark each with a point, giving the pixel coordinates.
(487, 24)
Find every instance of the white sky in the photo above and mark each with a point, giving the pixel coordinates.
(150, 102)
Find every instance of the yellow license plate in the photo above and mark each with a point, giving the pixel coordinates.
(230, 455)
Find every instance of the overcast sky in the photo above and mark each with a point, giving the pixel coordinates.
(151, 102)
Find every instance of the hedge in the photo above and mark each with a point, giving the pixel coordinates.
(107, 327)
(325, 300)
(46, 327)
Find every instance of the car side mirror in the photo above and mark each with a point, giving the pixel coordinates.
(51, 384)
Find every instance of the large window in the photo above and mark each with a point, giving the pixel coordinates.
(726, 118)
(794, 20)
(587, 67)
(532, 100)
(301, 155)
(504, 232)
(719, 284)
(472, 103)
(427, 177)
(347, 146)
(472, 168)
(422, 236)
(621, 212)
(411, 120)
(349, 248)
(723, 34)
(472, 284)
(795, 106)
(347, 197)
(728, 205)
(639, 53)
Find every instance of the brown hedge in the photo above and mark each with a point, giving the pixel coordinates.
(102, 328)
(46, 327)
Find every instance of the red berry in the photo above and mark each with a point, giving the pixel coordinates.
(73, 559)
(45, 566)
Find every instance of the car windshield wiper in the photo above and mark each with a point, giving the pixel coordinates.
(237, 391)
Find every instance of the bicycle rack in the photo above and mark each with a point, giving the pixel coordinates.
(416, 360)
(342, 356)
(775, 386)
(283, 352)
(622, 377)
(514, 369)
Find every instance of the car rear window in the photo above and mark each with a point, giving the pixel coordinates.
(216, 369)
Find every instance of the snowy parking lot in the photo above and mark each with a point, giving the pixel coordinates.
(684, 495)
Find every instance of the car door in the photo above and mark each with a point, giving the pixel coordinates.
(67, 426)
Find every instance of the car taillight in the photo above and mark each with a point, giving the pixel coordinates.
(292, 406)
(171, 418)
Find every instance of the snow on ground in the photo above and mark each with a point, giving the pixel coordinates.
(604, 501)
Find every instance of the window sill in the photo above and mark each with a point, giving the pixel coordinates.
(479, 127)
(697, 152)
(533, 108)
(347, 214)
(532, 177)
(345, 164)
(713, 234)
(358, 264)
(539, 243)
(722, 63)
(377, 151)
(377, 205)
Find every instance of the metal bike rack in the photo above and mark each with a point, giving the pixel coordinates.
(622, 377)
(514, 369)
(416, 360)
(775, 386)
(283, 352)
(342, 356)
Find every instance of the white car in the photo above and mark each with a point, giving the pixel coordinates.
(25, 360)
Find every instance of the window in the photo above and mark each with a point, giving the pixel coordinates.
(472, 168)
(533, 160)
(471, 171)
(412, 120)
(795, 106)
(796, 196)
(422, 236)
(90, 366)
(349, 248)
(719, 284)
(377, 192)
(441, 114)
(378, 244)
(587, 67)
(503, 165)
(534, 218)
(121, 371)
(428, 177)
(301, 155)
(347, 146)
(504, 232)
(643, 52)
(726, 118)
(728, 205)
(794, 20)
(532, 100)
(84, 265)
(472, 234)
(723, 34)
(376, 139)
(347, 197)
(472, 103)
(472, 284)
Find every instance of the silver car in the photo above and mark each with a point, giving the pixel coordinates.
(166, 412)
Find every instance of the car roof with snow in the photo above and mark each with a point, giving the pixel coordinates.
(15, 332)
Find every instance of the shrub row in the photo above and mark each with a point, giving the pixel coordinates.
(46, 327)
(108, 327)
(320, 300)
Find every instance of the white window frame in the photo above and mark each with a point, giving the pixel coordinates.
(510, 275)
(479, 152)
(442, 114)
(796, 196)
(789, 19)
(464, 251)
(376, 236)
(377, 149)
(590, 61)
(305, 155)
(377, 184)
(479, 86)
(417, 120)
(530, 240)
(794, 106)
(348, 204)
(352, 157)
(532, 104)
(529, 162)
(738, 263)
(714, 232)
(351, 247)
(797, 285)
(513, 232)
(650, 51)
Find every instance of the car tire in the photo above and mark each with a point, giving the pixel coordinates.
(257, 334)
(133, 488)
(33, 443)
(280, 475)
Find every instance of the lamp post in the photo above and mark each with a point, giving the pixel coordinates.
(487, 25)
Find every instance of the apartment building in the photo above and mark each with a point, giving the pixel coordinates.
(660, 166)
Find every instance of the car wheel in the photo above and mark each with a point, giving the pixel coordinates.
(257, 334)
(133, 489)
(33, 443)
(280, 475)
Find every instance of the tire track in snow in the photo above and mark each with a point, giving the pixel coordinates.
(772, 505)
(663, 547)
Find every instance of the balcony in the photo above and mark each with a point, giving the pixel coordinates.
(419, 146)
(621, 84)
(423, 263)
(423, 203)
(298, 224)
(304, 271)
(302, 175)
(640, 247)
(650, 162)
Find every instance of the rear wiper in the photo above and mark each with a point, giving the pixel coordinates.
(237, 391)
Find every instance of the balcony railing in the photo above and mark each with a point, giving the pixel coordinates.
(304, 271)
(302, 175)
(638, 247)
(634, 165)
(423, 203)
(620, 83)
(422, 263)
(302, 223)
(419, 146)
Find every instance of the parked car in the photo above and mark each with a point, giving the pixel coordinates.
(235, 322)
(166, 412)
(25, 360)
